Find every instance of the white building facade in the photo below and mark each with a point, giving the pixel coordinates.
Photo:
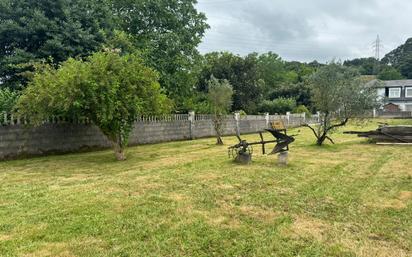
(396, 95)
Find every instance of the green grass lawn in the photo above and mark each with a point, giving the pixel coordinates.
(189, 199)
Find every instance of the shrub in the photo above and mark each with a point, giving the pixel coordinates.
(8, 99)
(280, 105)
(302, 109)
(108, 89)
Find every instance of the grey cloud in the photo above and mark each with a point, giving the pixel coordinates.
(306, 30)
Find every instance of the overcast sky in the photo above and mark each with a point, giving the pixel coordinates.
(306, 30)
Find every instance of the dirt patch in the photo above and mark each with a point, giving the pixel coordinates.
(225, 187)
(405, 196)
(207, 177)
(5, 238)
(260, 213)
(51, 250)
(178, 197)
(375, 248)
(307, 226)
(392, 204)
(222, 221)
(399, 203)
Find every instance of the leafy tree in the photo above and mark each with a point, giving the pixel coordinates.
(241, 74)
(302, 109)
(220, 98)
(278, 106)
(401, 59)
(108, 89)
(299, 91)
(48, 29)
(390, 73)
(169, 32)
(339, 94)
(271, 69)
(396, 56)
(405, 66)
(299, 71)
(8, 99)
(366, 66)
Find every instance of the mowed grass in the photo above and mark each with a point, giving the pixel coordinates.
(190, 199)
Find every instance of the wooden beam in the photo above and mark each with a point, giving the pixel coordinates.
(406, 144)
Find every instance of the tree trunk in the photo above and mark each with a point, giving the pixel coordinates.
(218, 128)
(219, 140)
(320, 140)
(119, 152)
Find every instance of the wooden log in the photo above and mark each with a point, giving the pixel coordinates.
(390, 143)
(396, 130)
(398, 139)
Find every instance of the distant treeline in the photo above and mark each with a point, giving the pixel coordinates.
(395, 65)
(166, 34)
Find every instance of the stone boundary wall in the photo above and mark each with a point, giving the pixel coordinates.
(18, 140)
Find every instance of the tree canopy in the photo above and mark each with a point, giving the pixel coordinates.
(53, 30)
(401, 59)
(108, 89)
(166, 32)
(339, 94)
(220, 99)
(241, 74)
(366, 66)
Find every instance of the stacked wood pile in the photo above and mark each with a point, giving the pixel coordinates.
(388, 135)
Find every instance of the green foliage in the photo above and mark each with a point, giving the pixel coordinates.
(220, 95)
(241, 74)
(110, 90)
(299, 91)
(257, 77)
(278, 106)
(366, 66)
(302, 109)
(197, 103)
(168, 32)
(220, 99)
(298, 71)
(405, 66)
(242, 113)
(390, 73)
(35, 30)
(339, 94)
(271, 69)
(122, 42)
(8, 99)
(401, 59)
